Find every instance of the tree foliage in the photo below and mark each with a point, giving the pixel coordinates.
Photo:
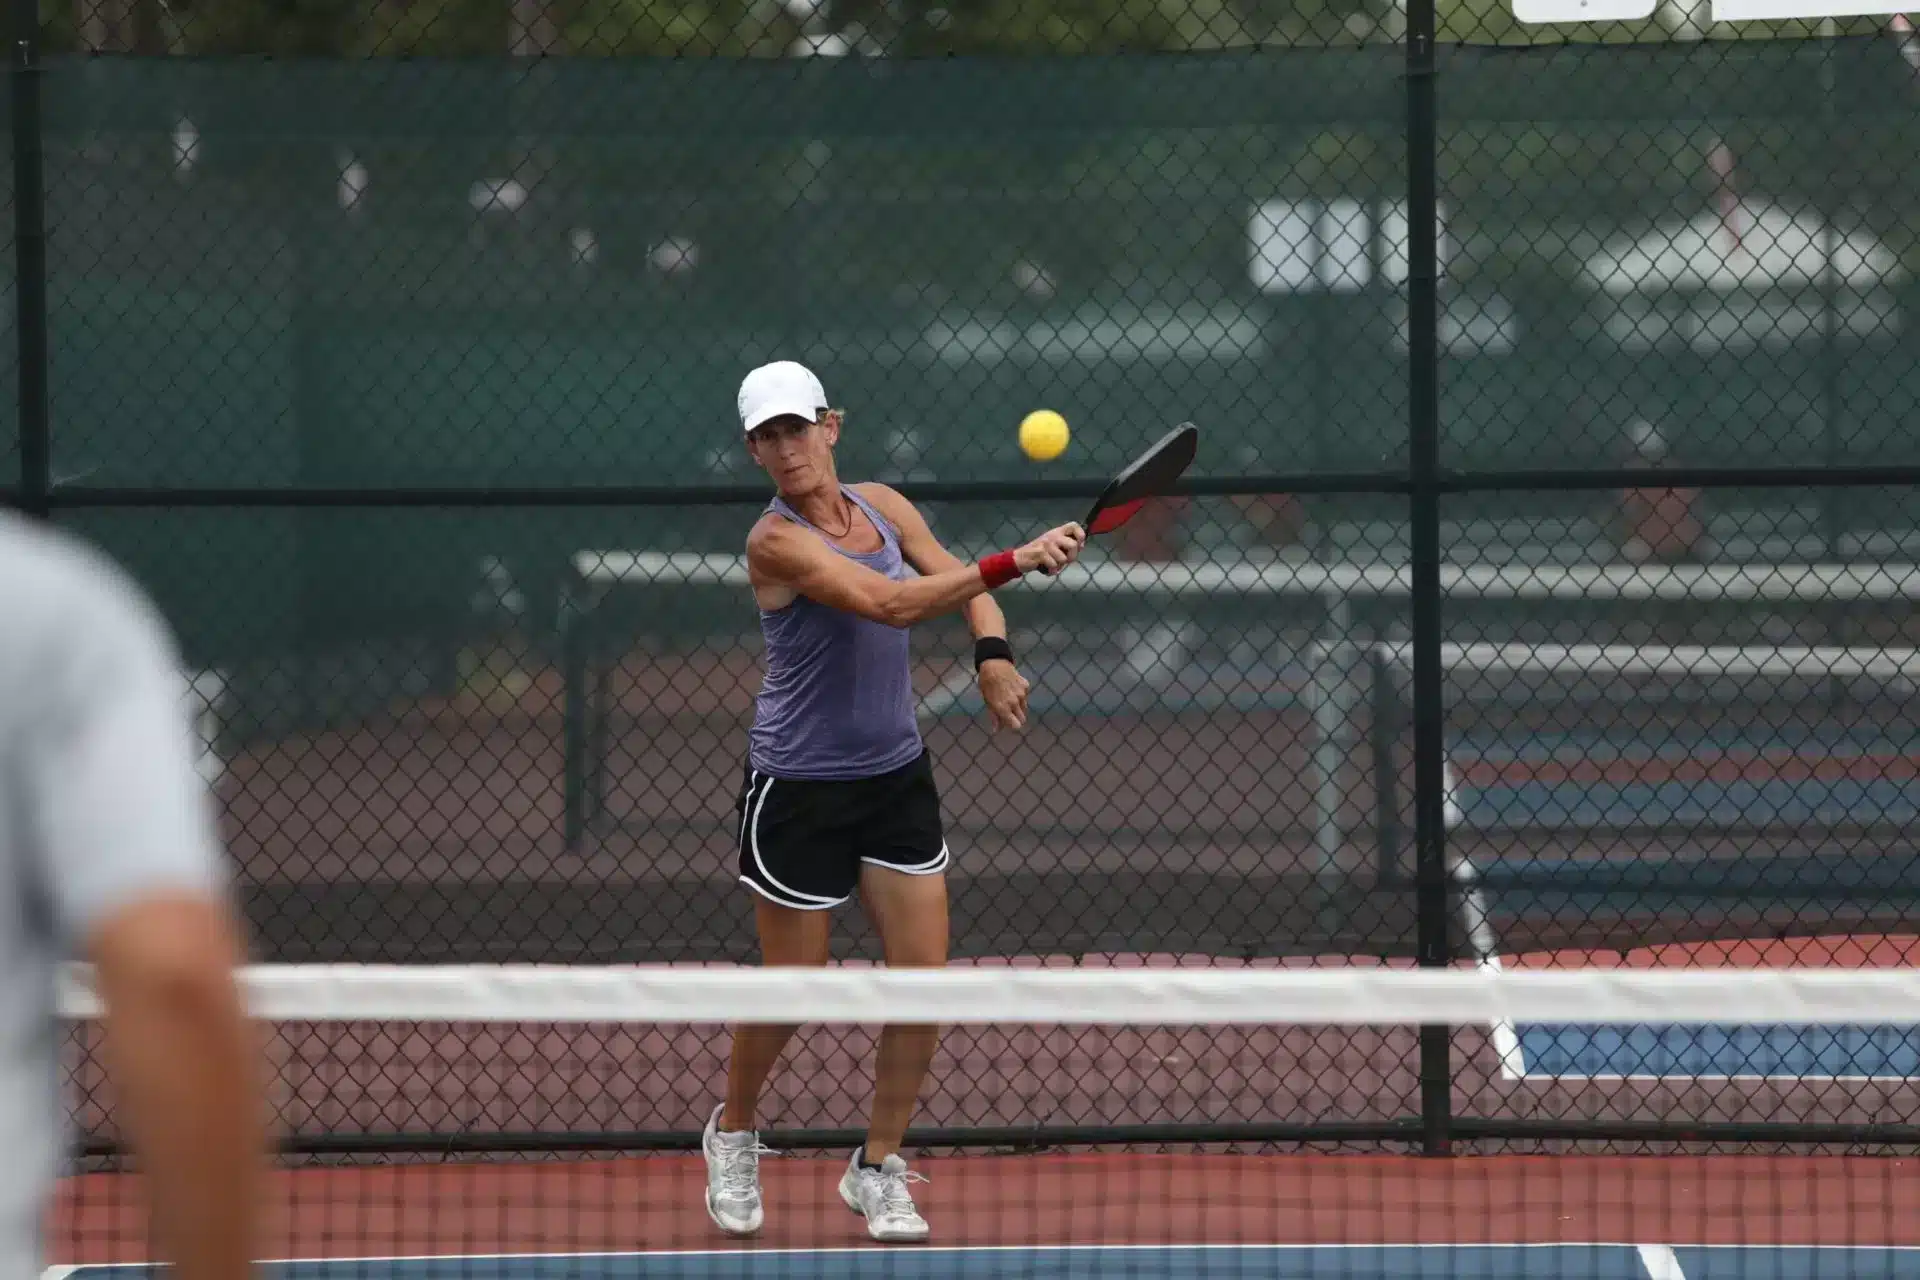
(778, 28)
(710, 28)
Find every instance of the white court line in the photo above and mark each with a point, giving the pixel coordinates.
(61, 1273)
(1505, 1036)
(1480, 936)
(1660, 1262)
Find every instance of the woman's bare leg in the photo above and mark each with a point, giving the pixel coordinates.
(788, 938)
(910, 914)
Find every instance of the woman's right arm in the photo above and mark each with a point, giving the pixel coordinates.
(783, 554)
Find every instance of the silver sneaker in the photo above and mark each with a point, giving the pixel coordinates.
(882, 1198)
(733, 1177)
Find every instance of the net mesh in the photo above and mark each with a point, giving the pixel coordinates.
(470, 1055)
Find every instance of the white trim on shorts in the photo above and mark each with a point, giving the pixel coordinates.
(794, 906)
(933, 868)
(750, 833)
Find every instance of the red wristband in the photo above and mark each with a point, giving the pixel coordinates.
(998, 569)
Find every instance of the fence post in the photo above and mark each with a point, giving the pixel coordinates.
(1423, 422)
(1385, 732)
(1833, 517)
(30, 259)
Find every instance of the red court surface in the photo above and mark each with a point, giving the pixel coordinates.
(654, 1204)
(1843, 952)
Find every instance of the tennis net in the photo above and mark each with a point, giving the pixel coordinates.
(489, 1072)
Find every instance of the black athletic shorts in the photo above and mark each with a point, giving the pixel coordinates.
(802, 841)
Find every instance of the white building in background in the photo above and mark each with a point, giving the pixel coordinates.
(1748, 274)
(1344, 245)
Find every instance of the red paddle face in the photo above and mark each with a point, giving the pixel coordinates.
(1151, 475)
(1111, 518)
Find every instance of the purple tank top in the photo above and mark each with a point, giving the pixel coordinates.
(837, 699)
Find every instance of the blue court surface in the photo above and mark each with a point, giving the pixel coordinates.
(1146, 1262)
(1692, 803)
(1719, 1052)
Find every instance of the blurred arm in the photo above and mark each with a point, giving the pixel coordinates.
(182, 1058)
(125, 846)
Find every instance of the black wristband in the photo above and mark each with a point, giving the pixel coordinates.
(986, 648)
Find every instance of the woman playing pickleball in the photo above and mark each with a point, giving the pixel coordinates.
(839, 794)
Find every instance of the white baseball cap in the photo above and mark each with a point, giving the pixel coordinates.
(778, 389)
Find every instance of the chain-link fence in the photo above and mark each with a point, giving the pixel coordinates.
(1558, 465)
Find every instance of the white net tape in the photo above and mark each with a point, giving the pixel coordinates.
(1342, 996)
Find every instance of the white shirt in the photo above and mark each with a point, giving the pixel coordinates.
(100, 804)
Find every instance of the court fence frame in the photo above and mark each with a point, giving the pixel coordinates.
(1423, 484)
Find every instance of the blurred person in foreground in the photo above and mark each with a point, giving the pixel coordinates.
(109, 855)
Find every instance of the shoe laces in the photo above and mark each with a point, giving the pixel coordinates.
(894, 1196)
(740, 1166)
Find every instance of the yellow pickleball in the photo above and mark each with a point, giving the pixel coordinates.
(1043, 435)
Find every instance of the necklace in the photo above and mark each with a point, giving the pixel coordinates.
(849, 529)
